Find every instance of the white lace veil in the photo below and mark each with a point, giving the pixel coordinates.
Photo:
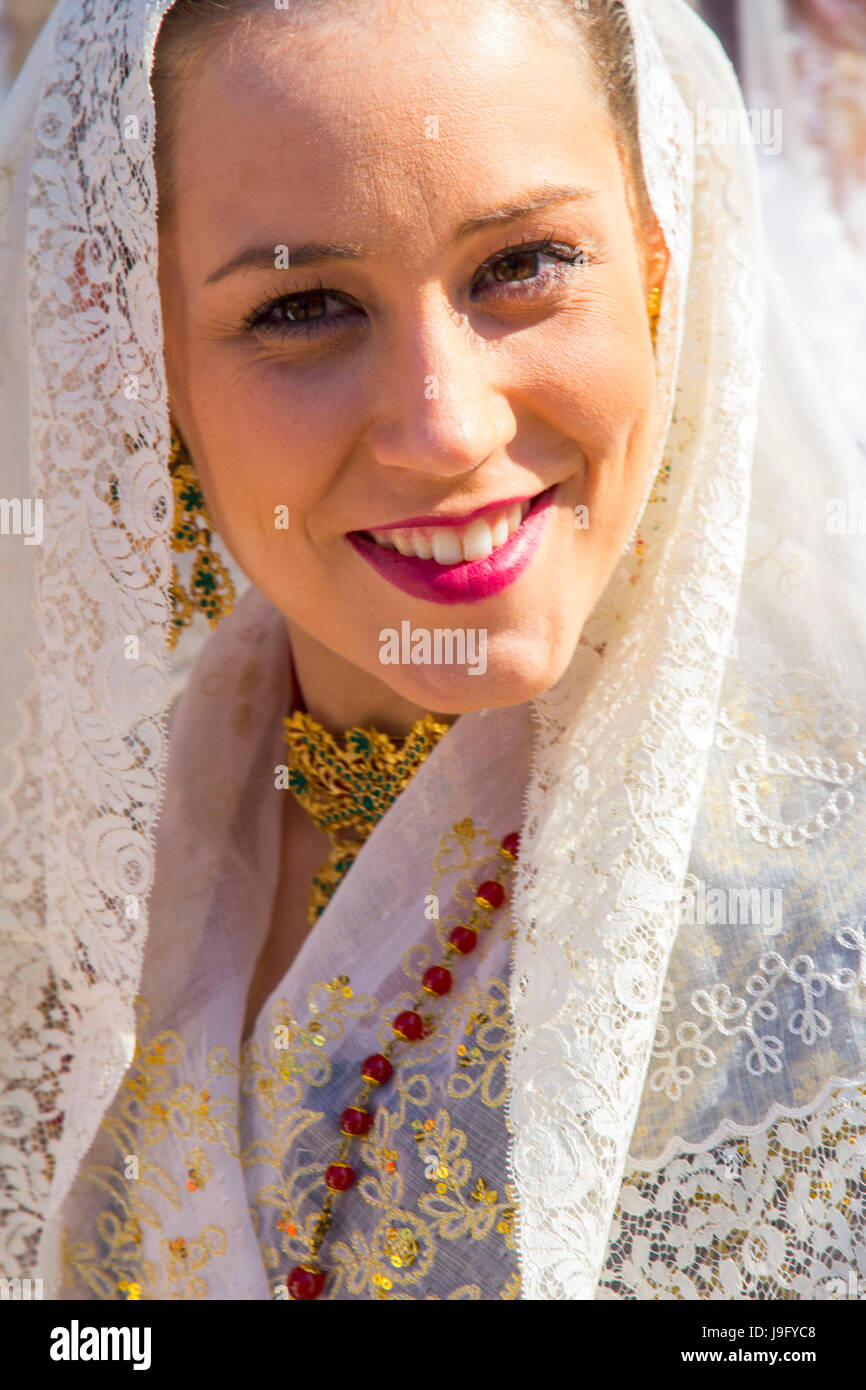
(706, 737)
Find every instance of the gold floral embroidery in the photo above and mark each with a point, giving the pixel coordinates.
(394, 1255)
(511, 1288)
(484, 1065)
(401, 1247)
(448, 1212)
(198, 1170)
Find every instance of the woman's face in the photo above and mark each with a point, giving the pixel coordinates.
(458, 334)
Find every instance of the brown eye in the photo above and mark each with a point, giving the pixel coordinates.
(523, 265)
(541, 268)
(311, 306)
(304, 312)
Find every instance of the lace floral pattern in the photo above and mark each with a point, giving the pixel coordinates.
(96, 374)
(778, 1215)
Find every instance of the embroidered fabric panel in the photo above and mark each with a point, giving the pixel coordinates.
(780, 1214)
(432, 1214)
(207, 1176)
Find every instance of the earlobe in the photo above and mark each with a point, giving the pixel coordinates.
(658, 259)
(661, 263)
(654, 301)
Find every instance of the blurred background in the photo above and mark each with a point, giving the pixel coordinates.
(806, 61)
(20, 22)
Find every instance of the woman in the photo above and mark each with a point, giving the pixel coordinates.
(550, 983)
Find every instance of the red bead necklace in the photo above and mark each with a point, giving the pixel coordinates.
(307, 1281)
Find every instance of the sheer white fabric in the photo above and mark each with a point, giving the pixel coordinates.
(707, 738)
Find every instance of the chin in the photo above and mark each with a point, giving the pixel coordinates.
(505, 674)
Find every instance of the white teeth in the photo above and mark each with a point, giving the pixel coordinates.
(449, 545)
(447, 549)
(478, 541)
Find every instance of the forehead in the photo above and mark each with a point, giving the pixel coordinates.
(394, 126)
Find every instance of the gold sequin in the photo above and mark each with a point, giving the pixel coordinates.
(401, 1247)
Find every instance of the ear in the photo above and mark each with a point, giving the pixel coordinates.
(652, 247)
(656, 256)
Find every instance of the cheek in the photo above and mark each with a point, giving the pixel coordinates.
(265, 448)
(595, 384)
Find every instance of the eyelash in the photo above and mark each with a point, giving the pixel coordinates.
(568, 257)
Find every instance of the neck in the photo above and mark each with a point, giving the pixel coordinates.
(339, 695)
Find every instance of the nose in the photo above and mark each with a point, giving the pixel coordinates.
(438, 407)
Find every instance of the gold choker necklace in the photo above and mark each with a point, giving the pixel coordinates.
(346, 791)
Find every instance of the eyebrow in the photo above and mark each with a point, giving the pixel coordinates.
(263, 257)
(544, 197)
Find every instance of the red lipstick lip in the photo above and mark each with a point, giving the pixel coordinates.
(468, 581)
(416, 522)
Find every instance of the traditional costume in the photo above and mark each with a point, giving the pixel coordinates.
(645, 1074)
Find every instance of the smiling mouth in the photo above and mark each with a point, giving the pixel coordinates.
(455, 545)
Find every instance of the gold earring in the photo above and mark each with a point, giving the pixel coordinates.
(211, 590)
(654, 308)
